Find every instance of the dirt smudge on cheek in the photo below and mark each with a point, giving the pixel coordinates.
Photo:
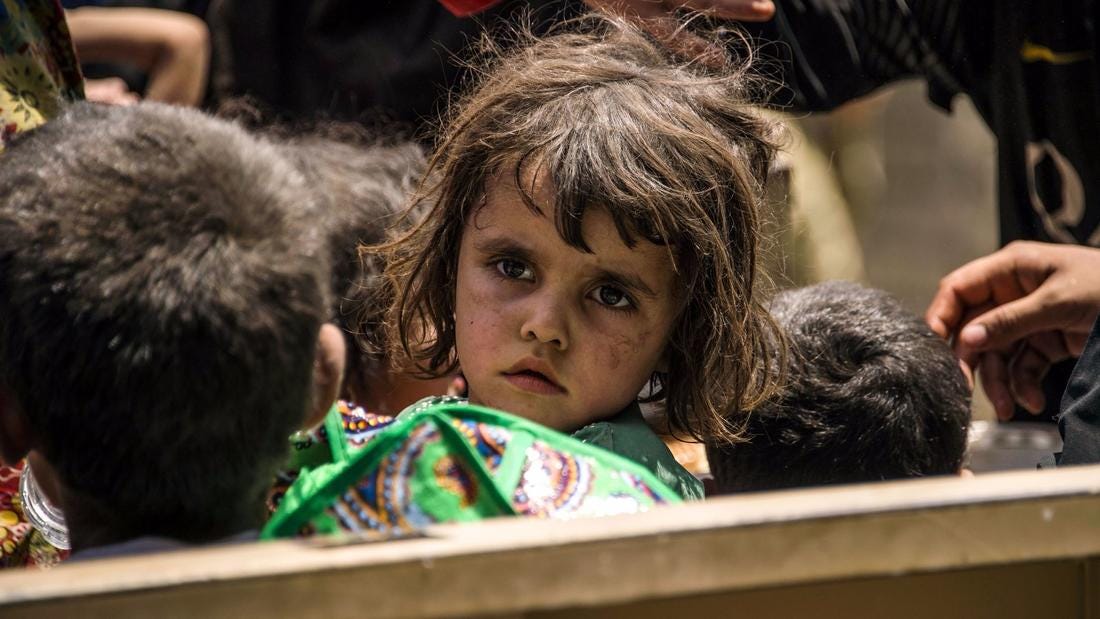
(625, 346)
(485, 319)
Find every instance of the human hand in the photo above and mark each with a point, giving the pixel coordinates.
(744, 10)
(1014, 313)
(660, 19)
(109, 90)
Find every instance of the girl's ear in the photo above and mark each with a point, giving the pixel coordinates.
(328, 372)
(16, 436)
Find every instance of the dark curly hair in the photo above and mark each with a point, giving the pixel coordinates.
(871, 394)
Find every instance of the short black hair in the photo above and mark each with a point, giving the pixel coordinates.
(159, 312)
(871, 394)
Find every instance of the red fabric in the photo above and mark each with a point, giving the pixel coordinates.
(466, 8)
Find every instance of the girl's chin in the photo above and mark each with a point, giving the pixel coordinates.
(529, 408)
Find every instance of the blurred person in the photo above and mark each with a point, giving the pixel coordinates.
(171, 48)
(363, 184)
(364, 187)
(834, 52)
(380, 63)
(39, 73)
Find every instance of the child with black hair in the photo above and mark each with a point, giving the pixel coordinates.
(870, 394)
(162, 324)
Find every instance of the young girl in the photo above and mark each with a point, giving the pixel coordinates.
(593, 236)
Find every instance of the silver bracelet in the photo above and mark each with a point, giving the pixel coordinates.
(46, 518)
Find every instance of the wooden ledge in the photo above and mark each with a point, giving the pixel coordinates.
(518, 566)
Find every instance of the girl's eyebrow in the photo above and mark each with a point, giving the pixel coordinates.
(627, 280)
(503, 245)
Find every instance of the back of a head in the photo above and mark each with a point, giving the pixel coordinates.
(871, 394)
(159, 312)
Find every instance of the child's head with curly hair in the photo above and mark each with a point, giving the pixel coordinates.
(593, 229)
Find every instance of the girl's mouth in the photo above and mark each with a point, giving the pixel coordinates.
(533, 382)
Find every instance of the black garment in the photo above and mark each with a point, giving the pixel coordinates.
(1029, 66)
(1079, 421)
(376, 61)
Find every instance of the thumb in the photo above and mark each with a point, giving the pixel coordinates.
(1007, 324)
(745, 10)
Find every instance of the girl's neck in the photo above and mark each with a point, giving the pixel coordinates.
(390, 393)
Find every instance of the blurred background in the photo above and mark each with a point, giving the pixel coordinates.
(892, 191)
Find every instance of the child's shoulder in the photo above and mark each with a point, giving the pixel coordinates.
(628, 435)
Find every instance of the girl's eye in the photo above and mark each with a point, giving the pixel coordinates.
(613, 297)
(514, 269)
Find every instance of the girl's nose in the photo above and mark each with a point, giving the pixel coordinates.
(546, 322)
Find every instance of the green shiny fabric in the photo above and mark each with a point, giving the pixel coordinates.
(628, 435)
(444, 460)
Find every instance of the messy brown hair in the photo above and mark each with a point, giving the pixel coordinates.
(670, 148)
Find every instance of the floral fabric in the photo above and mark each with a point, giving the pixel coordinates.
(20, 544)
(38, 67)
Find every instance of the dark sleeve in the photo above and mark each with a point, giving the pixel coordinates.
(1079, 421)
(828, 52)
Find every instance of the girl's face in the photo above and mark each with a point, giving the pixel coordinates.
(547, 331)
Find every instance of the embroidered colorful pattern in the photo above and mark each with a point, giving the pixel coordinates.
(448, 461)
(359, 425)
(310, 448)
(38, 67)
(489, 441)
(553, 482)
(382, 500)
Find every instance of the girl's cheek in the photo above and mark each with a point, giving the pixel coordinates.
(632, 346)
(484, 307)
(485, 284)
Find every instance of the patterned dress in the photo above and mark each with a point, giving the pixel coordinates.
(312, 448)
(445, 460)
(38, 67)
(20, 544)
